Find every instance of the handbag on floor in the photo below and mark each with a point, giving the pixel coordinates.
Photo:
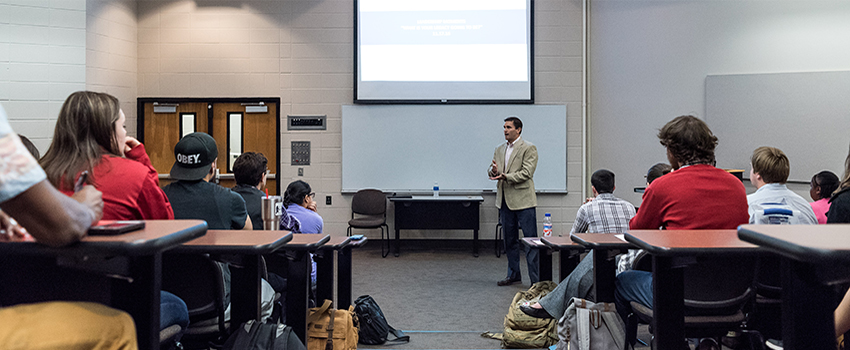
(331, 329)
(590, 326)
(374, 328)
(253, 335)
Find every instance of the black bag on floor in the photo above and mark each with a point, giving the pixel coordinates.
(253, 335)
(374, 329)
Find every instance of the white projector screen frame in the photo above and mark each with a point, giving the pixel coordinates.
(443, 51)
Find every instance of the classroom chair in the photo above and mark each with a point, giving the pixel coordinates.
(718, 292)
(168, 337)
(198, 280)
(767, 309)
(369, 211)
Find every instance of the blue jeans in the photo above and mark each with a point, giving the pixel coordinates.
(632, 285)
(512, 220)
(172, 310)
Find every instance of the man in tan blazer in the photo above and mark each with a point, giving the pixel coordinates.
(513, 167)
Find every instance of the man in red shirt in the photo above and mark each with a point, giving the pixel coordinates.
(696, 195)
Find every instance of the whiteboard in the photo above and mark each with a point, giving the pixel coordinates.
(406, 148)
(806, 115)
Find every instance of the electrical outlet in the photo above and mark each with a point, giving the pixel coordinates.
(300, 171)
(328, 200)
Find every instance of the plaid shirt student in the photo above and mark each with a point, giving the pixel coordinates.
(604, 214)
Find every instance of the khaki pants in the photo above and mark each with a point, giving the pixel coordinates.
(66, 325)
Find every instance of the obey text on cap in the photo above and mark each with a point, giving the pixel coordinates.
(189, 158)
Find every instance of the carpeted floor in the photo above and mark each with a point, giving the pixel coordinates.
(443, 298)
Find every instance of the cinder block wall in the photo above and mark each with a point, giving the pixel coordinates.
(300, 51)
(42, 60)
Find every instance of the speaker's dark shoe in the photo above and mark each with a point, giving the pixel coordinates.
(538, 313)
(509, 281)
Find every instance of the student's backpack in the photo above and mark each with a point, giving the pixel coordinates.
(332, 329)
(374, 329)
(587, 325)
(253, 335)
(527, 332)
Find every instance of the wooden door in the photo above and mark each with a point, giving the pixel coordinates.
(162, 131)
(258, 134)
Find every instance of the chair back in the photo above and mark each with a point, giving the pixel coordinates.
(369, 202)
(719, 285)
(643, 262)
(769, 277)
(197, 280)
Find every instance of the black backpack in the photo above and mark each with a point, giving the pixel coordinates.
(374, 328)
(253, 335)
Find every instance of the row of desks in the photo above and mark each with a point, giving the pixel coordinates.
(814, 257)
(133, 262)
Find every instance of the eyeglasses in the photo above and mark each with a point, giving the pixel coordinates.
(312, 195)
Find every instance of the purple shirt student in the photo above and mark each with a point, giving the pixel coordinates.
(310, 221)
(298, 200)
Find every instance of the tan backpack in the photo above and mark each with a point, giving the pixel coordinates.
(332, 329)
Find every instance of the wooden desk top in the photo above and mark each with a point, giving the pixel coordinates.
(310, 242)
(533, 242)
(689, 242)
(339, 242)
(561, 243)
(825, 244)
(157, 236)
(600, 240)
(237, 242)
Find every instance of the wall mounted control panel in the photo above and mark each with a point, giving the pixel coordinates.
(300, 153)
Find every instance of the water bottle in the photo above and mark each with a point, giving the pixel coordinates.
(436, 189)
(547, 225)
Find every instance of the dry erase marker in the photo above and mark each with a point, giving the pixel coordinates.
(81, 181)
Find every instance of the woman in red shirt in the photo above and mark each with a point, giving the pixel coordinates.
(90, 136)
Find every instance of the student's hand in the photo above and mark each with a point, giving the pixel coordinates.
(588, 200)
(130, 143)
(93, 199)
(10, 231)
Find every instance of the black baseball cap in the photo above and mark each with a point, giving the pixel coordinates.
(194, 153)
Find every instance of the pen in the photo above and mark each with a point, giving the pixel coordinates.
(81, 181)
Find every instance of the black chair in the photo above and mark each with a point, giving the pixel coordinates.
(718, 293)
(168, 337)
(767, 310)
(197, 279)
(369, 211)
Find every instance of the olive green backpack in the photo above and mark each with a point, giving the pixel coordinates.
(526, 332)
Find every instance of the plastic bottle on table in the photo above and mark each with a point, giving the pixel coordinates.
(547, 225)
(436, 189)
